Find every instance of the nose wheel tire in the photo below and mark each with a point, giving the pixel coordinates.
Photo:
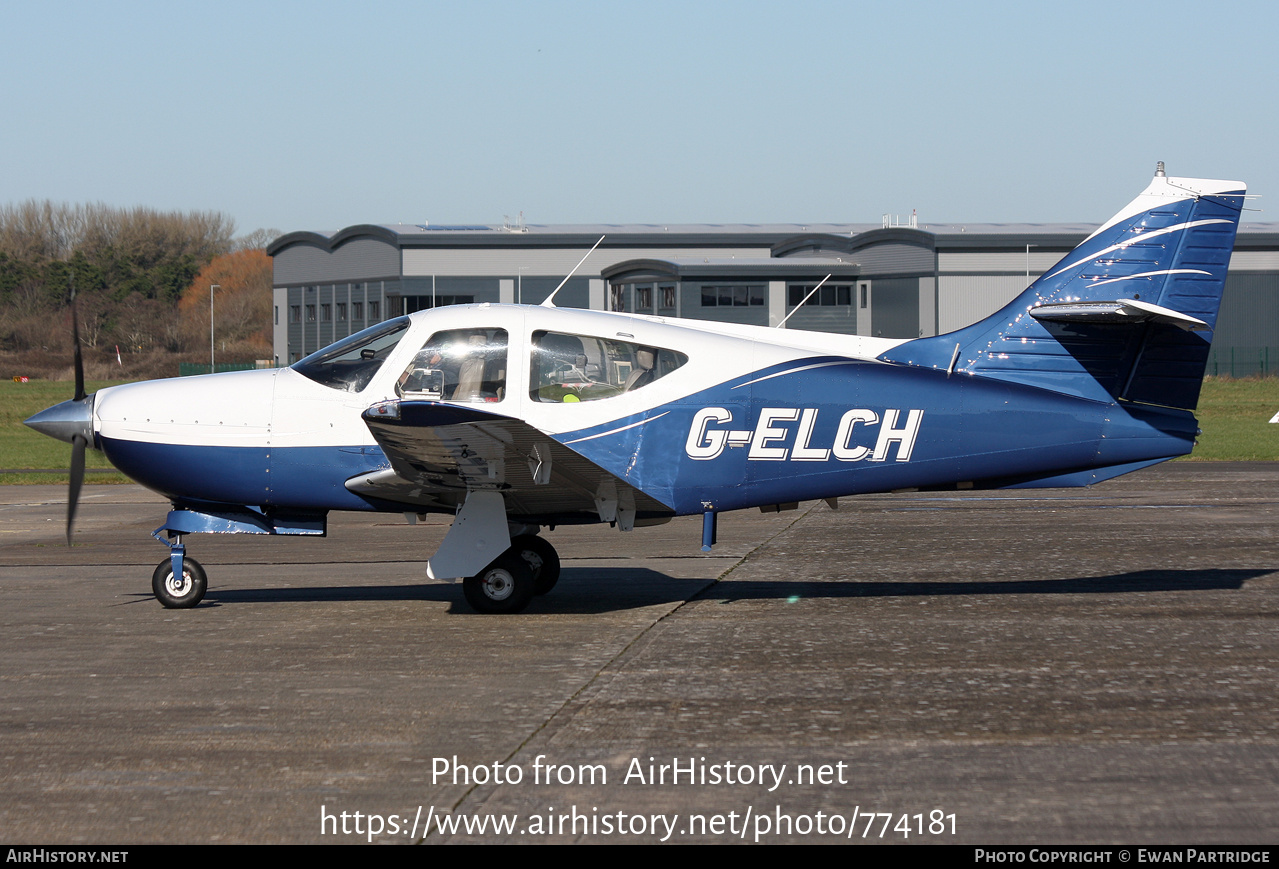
(541, 558)
(181, 593)
(505, 586)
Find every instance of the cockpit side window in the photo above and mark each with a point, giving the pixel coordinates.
(350, 364)
(572, 368)
(458, 365)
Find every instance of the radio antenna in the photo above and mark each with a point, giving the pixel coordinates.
(550, 300)
(805, 299)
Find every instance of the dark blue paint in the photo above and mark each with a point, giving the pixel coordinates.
(304, 478)
(972, 429)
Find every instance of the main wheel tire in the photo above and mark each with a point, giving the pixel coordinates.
(505, 586)
(182, 594)
(542, 559)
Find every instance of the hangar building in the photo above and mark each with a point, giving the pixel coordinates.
(890, 280)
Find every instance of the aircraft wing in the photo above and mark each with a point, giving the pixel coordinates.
(438, 452)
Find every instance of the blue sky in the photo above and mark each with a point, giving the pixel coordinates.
(321, 115)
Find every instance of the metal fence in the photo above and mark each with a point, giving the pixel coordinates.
(1243, 361)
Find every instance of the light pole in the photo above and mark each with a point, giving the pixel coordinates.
(212, 287)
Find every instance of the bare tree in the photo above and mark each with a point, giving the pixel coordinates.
(258, 239)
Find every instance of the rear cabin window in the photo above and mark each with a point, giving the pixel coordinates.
(458, 365)
(350, 364)
(571, 368)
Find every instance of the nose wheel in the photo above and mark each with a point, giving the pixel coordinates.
(179, 591)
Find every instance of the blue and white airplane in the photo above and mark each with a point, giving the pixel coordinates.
(515, 418)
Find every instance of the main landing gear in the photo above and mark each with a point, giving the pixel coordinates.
(530, 567)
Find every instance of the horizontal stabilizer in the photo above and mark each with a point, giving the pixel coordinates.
(1119, 311)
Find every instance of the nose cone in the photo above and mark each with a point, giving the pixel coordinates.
(66, 421)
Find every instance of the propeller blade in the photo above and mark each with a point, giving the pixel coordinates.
(78, 445)
(75, 340)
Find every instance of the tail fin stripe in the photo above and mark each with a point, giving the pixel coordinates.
(1138, 240)
(1153, 274)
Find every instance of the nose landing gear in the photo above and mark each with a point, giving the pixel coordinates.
(179, 582)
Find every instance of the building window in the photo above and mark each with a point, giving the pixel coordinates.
(425, 303)
(310, 313)
(668, 297)
(357, 311)
(617, 300)
(644, 299)
(830, 295)
(341, 312)
(864, 297)
(295, 313)
(732, 296)
(326, 313)
(374, 311)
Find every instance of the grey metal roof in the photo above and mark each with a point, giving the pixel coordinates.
(744, 267)
(959, 235)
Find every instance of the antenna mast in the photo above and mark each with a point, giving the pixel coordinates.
(550, 303)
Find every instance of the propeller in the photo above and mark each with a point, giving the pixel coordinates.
(71, 421)
(78, 441)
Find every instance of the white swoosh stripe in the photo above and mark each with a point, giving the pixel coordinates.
(1152, 274)
(796, 371)
(616, 430)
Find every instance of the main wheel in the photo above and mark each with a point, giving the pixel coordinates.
(505, 586)
(179, 594)
(542, 559)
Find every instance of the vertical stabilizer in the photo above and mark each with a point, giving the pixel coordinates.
(1126, 315)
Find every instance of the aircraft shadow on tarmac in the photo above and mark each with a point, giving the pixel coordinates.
(597, 590)
(1140, 581)
(580, 590)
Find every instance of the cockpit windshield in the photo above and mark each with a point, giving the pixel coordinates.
(350, 364)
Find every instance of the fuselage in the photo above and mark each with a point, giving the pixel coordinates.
(726, 417)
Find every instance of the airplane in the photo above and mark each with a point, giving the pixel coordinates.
(516, 418)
